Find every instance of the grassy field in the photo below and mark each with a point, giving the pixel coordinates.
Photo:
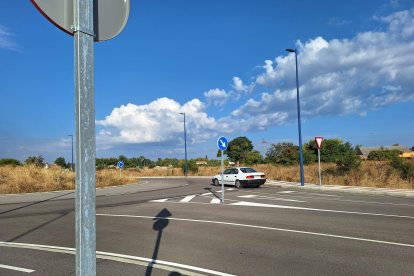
(27, 179)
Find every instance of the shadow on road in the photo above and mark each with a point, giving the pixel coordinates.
(38, 227)
(161, 222)
(34, 203)
(214, 193)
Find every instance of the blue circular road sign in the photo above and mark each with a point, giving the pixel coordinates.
(222, 143)
(120, 164)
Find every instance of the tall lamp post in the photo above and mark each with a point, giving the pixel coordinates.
(71, 164)
(185, 147)
(302, 175)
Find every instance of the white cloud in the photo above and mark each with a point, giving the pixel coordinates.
(340, 76)
(157, 122)
(6, 41)
(337, 77)
(217, 97)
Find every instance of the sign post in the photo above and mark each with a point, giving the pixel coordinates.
(318, 142)
(120, 166)
(87, 23)
(222, 145)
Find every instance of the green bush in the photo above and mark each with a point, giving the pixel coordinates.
(382, 155)
(10, 162)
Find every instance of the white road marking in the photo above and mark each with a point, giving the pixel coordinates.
(215, 200)
(159, 200)
(16, 268)
(270, 198)
(286, 192)
(264, 227)
(336, 199)
(187, 198)
(170, 266)
(254, 204)
(206, 194)
(230, 189)
(321, 194)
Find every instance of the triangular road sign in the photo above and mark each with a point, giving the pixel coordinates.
(318, 142)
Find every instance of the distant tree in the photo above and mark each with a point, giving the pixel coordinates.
(383, 154)
(192, 166)
(10, 162)
(412, 148)
(284, 153)
(60, 161)
(395, 145)
(38, 161)
(238, 149)
(406, 169)
(253, 157)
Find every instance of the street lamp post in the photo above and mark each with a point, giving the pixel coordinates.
(185, 147)
(71, 164)
(302, 175)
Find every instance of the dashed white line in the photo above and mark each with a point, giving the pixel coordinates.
(15, 268)
(270, 198)
(187, 198)
(159, 200)
(255, 204)
(215, 200)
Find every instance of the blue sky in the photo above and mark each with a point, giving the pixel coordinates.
(224, 64)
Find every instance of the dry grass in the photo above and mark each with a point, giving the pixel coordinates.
(27, 179)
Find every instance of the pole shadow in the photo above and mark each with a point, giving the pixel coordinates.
(161, 222)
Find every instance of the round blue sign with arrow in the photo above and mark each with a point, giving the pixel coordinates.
(222, 143)
(120, 164)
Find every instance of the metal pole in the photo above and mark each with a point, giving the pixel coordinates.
(85, 139)
(222, 182)
(319, 162)
(71, 164)
(185, 149)
(302, 175)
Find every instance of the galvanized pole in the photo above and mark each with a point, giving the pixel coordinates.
(185, 148)
(85, 138)
(319, 162)
(222, 182)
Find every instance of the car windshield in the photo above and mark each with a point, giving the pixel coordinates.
(247, 170)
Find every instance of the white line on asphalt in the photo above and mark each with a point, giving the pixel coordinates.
(215, 200)
(187, 198)
(17, 268)
(159, 200)
(321, 194)
(254, 204)
(286, 192)
(170, 266)
(264, 227)
(336, 199)
(270, 198)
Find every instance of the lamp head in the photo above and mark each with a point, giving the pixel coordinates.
(291, 50)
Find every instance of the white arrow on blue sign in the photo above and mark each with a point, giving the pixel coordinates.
(222, 143)
(120, 164)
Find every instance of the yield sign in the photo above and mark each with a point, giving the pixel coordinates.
(110, 16)
(318, 142)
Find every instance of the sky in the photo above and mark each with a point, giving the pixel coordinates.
(222, 63)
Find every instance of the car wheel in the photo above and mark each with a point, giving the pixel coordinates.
(216, 182)
(238, 184)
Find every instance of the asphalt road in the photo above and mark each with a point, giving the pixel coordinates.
(178, 227)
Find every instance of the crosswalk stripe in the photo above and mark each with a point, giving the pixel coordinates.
(159, 200)
(215, 201)
(187, 198)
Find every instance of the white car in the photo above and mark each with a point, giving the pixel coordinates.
(240, 177)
